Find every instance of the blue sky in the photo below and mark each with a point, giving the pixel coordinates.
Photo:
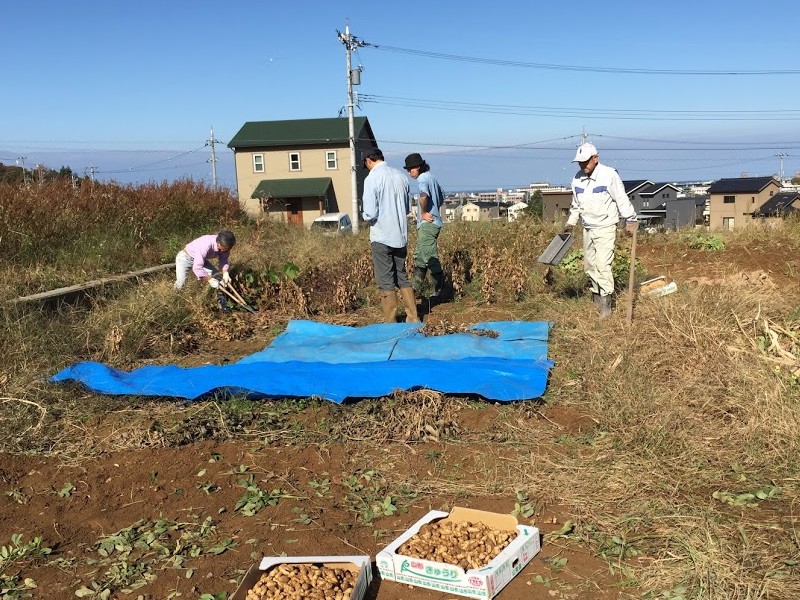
(492, 94)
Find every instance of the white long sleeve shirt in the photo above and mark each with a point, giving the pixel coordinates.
(599, 199)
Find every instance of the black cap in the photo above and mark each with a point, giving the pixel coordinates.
(413, 161)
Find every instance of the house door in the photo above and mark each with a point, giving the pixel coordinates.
(294, 211)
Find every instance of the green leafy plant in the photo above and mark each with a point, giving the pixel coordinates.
(208, 487)
(523, 507)
(747, 499)
(617, 547)
(66, 490)
(14, 556)
(321, 488)
(706, 242)
(302, 517)
(131, 558)
(18, 496)
(254, 498)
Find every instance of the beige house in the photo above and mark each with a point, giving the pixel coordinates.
(297, 170)
(733, 201)
(480, 211)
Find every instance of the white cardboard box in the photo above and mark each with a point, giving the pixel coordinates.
(485, 582)
(357, 564)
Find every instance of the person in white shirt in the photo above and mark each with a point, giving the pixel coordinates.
(599, 201)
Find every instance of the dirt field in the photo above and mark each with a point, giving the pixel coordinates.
(310, 497)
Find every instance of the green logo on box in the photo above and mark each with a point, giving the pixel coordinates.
(429, 571)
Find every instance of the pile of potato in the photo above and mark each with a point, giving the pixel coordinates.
(468, 545)
(303, 582)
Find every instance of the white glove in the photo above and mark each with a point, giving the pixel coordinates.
(226, 277)
(214, 283)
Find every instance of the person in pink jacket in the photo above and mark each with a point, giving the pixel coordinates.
(197, 256)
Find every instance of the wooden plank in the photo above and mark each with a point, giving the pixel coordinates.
(83, 287)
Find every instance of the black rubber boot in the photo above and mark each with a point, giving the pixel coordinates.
(438, 283)
(418, 279)
(605, 306)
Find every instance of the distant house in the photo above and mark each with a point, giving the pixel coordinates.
(452, 211)
(776, 208)
(733, 201)
(515, 210)
(658, 204)
(480, 211)
(297, 170)
(555, 206)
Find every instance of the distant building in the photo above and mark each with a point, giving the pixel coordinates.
(733, 201)
(515, 210)
(480, 211)
(545, 187)
(555, 206)
(658, 204)
(773, 211)
(452, 211)
(490, 196)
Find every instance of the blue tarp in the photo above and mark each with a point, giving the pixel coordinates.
(338, 362)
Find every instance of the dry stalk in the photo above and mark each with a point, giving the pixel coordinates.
(42, 411)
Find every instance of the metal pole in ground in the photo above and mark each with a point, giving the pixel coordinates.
(632, 277)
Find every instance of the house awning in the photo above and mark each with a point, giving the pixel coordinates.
(313, 187)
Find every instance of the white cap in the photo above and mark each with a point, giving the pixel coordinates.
(585, 152)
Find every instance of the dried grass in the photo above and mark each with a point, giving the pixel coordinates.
(404, 417)
(699, 396)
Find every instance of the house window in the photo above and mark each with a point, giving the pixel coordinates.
(294, 161)
(727, 223)
(728, 199)
(330, 160)
(258, 163)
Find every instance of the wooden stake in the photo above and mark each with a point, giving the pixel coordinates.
(632, 277)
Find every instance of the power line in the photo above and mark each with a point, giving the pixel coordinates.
(556, 67)
(157, 162)
(589, 113)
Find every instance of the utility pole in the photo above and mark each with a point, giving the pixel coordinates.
(213, 158)
(353, 78)
(92, 169)
(781, 156)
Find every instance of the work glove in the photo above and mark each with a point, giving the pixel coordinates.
(214, 283)
(568, 228)
(226, 277)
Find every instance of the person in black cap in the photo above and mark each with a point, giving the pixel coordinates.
(386, 206)
(429, 224)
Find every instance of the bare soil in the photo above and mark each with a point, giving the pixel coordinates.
(115, 490)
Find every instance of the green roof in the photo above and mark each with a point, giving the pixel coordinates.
(299, 132)
(314, 187)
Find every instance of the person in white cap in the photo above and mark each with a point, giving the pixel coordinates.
(599, 201)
